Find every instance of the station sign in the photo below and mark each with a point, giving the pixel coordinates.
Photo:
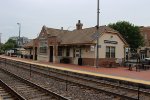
(110, 42)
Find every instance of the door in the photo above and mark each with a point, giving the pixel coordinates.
(35, 55)
(77, 55)
(51, 54)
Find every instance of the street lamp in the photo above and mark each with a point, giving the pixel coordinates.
(19, 24)
(97, 43)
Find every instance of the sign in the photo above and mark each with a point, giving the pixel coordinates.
(110, 42)
(92, 48)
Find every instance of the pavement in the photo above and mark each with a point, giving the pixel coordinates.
(117, 71)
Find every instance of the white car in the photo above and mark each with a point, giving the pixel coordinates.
(147, 59)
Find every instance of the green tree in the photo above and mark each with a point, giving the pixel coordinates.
(130, 33)
(1, 48)
(10, 44)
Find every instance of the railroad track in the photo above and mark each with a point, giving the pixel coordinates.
(5, 95)
(28, 90)
(6, 92)
(123, 92)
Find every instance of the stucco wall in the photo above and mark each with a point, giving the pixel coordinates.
(43, 57)
(87, 53)
(119, 48)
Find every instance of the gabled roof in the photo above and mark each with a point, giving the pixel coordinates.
(79, 36)
(82, 36)
(54, 32)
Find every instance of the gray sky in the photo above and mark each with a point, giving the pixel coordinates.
(33, 14)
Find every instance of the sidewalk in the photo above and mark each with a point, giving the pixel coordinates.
(120, 71)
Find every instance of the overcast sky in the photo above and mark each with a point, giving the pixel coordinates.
(33, 14)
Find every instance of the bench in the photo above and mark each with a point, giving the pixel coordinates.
(145, 67)
(137, 66)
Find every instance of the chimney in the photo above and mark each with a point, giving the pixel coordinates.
(79, 25)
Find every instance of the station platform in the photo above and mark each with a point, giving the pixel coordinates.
(120, 73)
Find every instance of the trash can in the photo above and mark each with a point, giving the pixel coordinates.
(130, 67)
(80, 61)
(21, 55)
(31, 56)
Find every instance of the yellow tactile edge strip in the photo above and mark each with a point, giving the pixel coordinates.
(84, 72)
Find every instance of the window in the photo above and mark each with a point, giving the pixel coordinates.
(60, 50)
(110, 52)
(43, 47)
(107, 52)
(68, 51)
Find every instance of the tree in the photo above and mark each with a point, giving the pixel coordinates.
(1, 49)
(10, 44)
(130, 33)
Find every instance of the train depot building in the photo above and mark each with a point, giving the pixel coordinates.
(77, 46)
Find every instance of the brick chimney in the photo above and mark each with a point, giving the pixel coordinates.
(79, 25)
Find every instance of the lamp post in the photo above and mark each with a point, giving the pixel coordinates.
(97, 37)
(19, 24)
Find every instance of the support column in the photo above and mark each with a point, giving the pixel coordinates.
(33, 53)
(124, 54)
(56, 60)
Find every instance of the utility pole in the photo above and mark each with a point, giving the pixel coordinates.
(97, 44)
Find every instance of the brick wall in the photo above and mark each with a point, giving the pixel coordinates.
(104, 62)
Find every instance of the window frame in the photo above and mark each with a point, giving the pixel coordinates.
(107, 51)
(111, 52)
(43, 47)
(60, 51)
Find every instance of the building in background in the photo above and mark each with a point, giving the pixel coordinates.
(145, 50)
(23, 40)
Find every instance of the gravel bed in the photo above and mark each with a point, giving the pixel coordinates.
(71, 91)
